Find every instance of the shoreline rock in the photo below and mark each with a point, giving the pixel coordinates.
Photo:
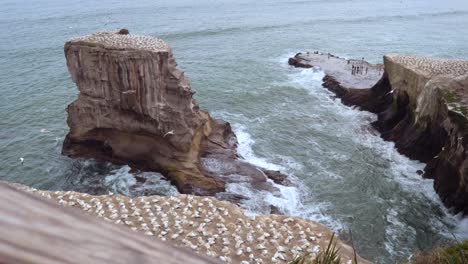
(421, 106)
(136, 107)
(206, 225)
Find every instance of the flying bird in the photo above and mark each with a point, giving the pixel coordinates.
(21, 160)
(169, 133)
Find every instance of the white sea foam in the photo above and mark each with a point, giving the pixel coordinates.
(289, 163)
(461, 231)
(307, 79)
(289, 198)
(120, 180)
(245, 149)
(123, 182)
(397, 232)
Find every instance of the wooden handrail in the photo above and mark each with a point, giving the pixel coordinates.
(33, 230)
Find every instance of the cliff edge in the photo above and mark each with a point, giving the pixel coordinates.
(421, 105)
(427, 119)
(136, 107)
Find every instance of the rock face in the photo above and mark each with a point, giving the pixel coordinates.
(135, 107)
(427, 120)
(421, 106)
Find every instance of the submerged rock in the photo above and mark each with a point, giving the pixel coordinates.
(421, 105)
(136, 107)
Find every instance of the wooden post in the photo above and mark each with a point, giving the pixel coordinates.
(33, 230)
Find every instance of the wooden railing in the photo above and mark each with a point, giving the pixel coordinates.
(33, 230)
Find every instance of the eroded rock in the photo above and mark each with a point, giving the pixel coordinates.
(136, 107)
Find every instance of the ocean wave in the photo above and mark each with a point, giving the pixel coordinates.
(138, 183)
(385, 17)
(335, 20)
(289, 199)
(217, 31)
(397, 232)
(245, 149)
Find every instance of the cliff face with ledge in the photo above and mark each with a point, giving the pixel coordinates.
(421, 106)
(427, 120)
(136, 107)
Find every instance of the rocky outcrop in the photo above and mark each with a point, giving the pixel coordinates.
(427, 120)
(136, 107)
(349, 86)
(421, 106)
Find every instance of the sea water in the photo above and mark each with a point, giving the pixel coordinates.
(235, 53)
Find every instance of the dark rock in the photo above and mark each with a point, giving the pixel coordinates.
(275, 210)
(299, 62)
(140, 179)
(278, 178)
(124, 31)
(230, 197)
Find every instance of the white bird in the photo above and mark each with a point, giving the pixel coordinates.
(21, 160)
(169, 133)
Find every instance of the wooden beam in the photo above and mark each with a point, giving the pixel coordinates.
(33, 230)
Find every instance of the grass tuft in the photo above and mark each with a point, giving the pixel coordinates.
(455, 254)
(329, 256)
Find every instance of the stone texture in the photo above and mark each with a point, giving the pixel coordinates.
(136, 107)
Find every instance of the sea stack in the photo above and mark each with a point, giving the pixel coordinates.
(136, 107)
(421, 105)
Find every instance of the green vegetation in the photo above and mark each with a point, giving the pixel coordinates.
(460, 109)
(455, 254)
(453, 101)
(170, 168)
(329, 256)
(451, 97)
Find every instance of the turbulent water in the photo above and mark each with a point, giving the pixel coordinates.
(235, 53)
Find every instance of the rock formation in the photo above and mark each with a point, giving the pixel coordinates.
(135, 107)
(206, 225)
(421, 106)
(427, 120)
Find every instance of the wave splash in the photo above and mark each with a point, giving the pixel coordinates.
(134, 184)
(415, 199)
(288, 200)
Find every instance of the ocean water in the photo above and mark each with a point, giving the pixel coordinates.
(235, 53)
